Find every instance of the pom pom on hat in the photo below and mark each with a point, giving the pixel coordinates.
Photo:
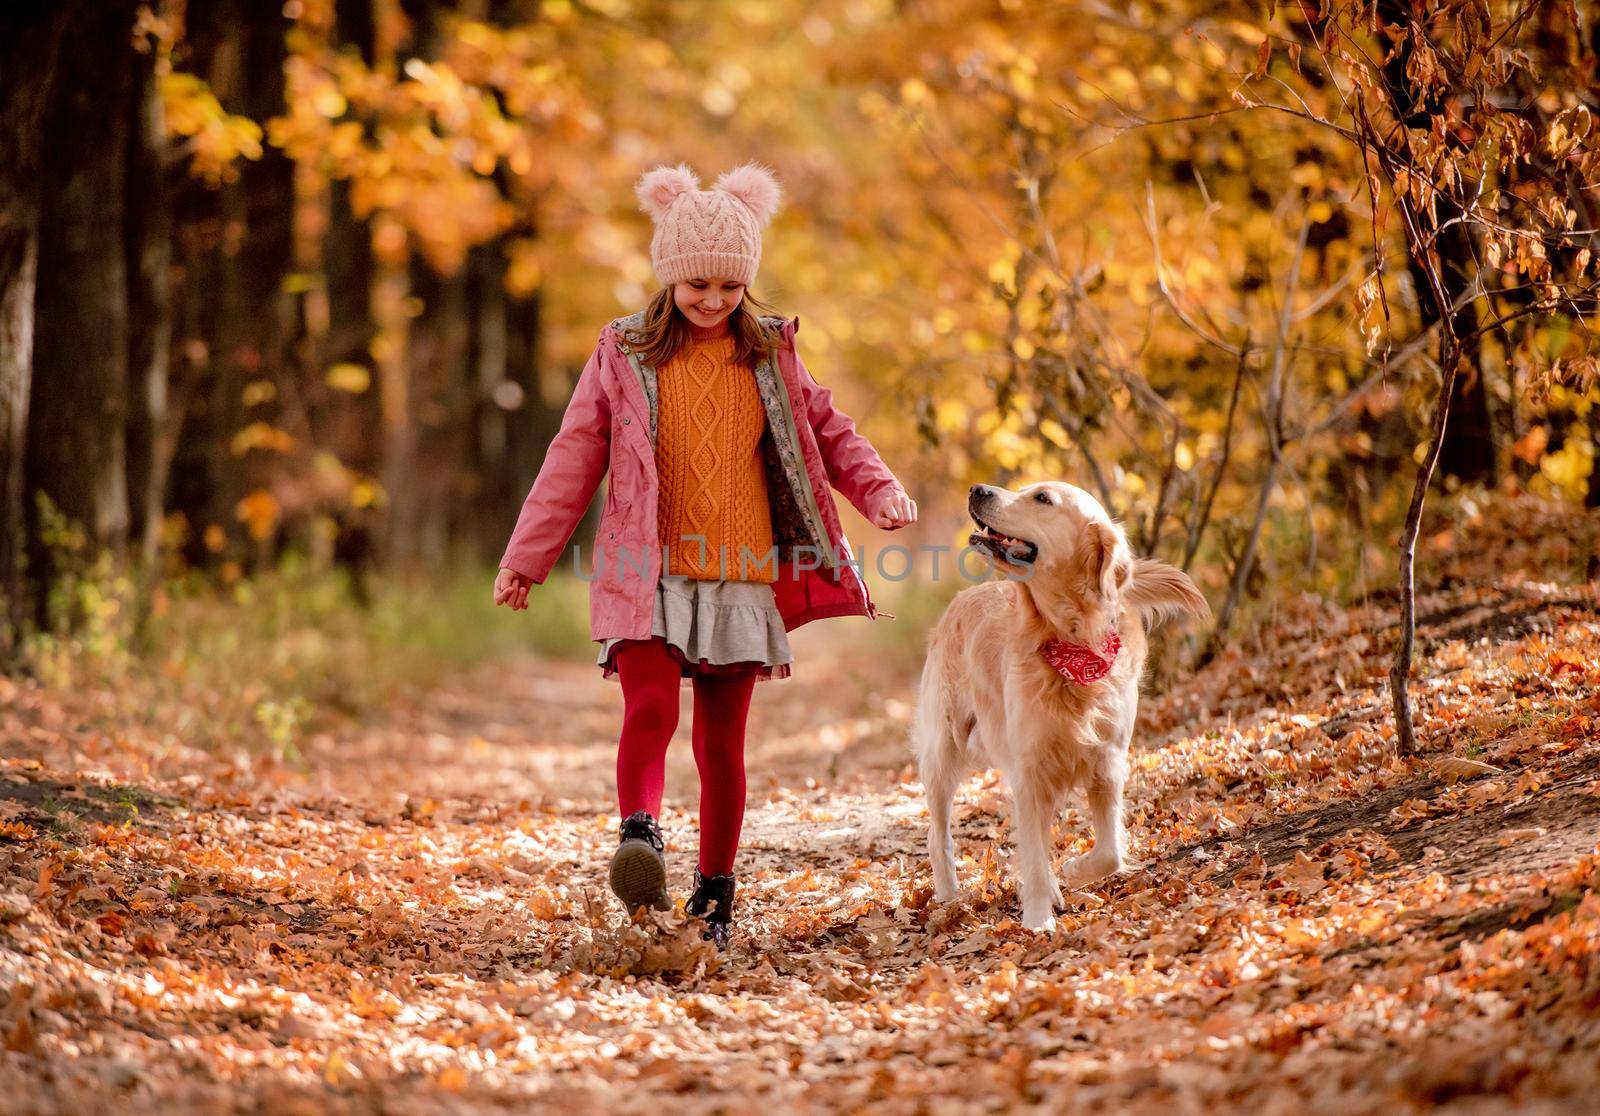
(754, 185)
(659, 188)
(707, 234)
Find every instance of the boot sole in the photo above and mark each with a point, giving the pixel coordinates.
(638, 877)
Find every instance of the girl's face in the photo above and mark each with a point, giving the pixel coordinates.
(707, 302)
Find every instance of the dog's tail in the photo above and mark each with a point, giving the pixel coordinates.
(1160, 591)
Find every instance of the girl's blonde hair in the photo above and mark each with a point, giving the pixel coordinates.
(666, 330)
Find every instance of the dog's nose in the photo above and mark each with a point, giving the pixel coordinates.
(979, 490)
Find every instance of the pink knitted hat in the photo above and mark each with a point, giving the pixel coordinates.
(704, 234)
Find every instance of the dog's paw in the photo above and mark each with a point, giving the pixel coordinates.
(1087, 869)
(1040, 924)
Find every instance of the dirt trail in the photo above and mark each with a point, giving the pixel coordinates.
(414, 918)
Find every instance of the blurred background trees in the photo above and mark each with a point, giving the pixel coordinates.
(317, 276)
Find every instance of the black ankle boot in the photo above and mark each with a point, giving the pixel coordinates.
(713, 901)
(639, 866)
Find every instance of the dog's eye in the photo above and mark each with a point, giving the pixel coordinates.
(1043, 497)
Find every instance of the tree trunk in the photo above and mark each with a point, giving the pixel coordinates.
(398, 448)
(487, 359)
(149, 256)
(440, 389)
(30, 38)
(535, 411)
(416, 370)
(78, 407)
(1468, 453)
(1592, 497)
(354, 419)
(18, 255)
(532, 422)
(1400, 669)
(237, 248)
(347, 246)
(1468, 450)
(258, 317)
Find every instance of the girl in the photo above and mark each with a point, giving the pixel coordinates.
(718, 537)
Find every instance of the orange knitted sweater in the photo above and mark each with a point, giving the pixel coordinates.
(708, 459)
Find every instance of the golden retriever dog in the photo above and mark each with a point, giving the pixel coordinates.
(1038, 675)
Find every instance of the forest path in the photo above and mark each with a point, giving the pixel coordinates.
(412, 917)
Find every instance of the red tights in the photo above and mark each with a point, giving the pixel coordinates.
(650, 677)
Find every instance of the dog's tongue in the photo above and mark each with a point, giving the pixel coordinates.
(1077, 663)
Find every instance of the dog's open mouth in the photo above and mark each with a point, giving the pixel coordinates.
(1005, 548)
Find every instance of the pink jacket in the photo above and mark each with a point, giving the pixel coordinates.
(610, 425)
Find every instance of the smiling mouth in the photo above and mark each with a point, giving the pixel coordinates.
(1004, 548)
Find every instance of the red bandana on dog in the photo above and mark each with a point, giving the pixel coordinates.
(1076, 663)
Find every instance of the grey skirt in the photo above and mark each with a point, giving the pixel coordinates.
(715, 627)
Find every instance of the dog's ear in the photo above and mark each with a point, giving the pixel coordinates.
(1110, 563)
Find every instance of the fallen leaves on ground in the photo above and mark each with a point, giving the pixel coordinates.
(415, 918)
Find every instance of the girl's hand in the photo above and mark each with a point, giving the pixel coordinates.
(511, 588)
(898, 510)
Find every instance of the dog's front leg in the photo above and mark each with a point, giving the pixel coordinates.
(1105, 810)
(1036, 882)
